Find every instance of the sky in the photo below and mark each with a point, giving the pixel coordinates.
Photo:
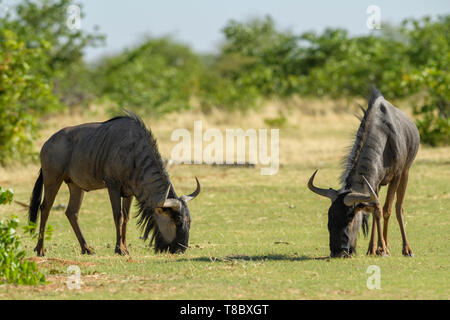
(198, 23)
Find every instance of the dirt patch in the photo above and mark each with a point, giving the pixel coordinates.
(62, 262)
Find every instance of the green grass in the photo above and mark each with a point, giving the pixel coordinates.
(252, 237)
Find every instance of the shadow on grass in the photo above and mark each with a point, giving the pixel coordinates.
(268, 257)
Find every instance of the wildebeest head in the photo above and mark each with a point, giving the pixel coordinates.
(172, 223)
(346, 215)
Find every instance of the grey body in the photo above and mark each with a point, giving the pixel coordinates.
(385, 147)
(95, 155)
(120, 155)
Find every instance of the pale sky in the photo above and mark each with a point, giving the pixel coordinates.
(198, 23)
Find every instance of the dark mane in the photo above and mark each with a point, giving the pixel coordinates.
(351, 158)
(148, 134)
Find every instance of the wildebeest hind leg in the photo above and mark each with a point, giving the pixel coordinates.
(387, 208)
(399, 212)
(76, 197)
(50, 191)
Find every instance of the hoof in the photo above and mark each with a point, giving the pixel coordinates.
(410, 254)
(40, 252)
(121, 251)
(407, 252)
(382, 252)
(88, 251)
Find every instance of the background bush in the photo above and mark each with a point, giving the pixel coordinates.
(157, 77)
(25, 94)
(429, 55)
(42, 70)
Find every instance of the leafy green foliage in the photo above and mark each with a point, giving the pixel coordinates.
(268, 58)
(13, 266)
(25, 94)
(6, 196)
(40, 66)
(46, 20)
(345, 67)
(258, 60)
(276, 122)
(157, 77)
(429, 53)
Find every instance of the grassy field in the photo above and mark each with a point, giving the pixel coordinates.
(252, 236)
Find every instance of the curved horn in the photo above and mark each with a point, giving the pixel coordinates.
(172, 203)
(193, 194)
(353, 198)
(161, 203)
(329, 193)
(373, 195)
(169, 203)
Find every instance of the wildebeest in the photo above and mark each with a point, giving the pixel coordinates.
(386, 144)
(121, 155)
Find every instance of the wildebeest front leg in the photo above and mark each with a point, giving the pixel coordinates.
(114, 197)
(126, 205)
(374, 247)
(76, 197)
(381, 250)
(372, 250)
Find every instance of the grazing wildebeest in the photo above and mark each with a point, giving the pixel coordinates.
(384, 149)
(122, 156)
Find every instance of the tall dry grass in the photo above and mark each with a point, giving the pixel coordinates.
(315, 132)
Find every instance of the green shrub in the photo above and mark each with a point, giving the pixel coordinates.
(259, 60)
(25, 95)
(13, 266)
(157, 77)
(6, 196)
(46, 20)
(276, 122)
(41, 66)
(429, 53)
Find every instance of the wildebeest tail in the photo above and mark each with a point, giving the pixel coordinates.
(36, 198)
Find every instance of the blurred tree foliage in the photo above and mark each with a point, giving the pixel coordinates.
(255, 61)
(258, 60)
(41, 68)
(47, 20)
(156, 77)
(429, 54)
(25, 94)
